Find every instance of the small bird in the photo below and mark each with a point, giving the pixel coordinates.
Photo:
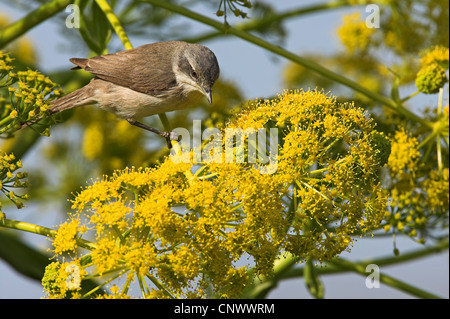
(151, 79)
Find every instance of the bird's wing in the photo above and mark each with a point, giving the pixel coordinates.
(146, 69)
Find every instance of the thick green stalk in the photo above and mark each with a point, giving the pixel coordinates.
(16, 29)
(262, 286)
(386, 279)
(115, 23)
(41, 230)
(290, 56)
(382, 261)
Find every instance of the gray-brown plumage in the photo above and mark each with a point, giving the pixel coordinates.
(150, 79)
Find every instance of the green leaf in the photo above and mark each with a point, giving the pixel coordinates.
(95, 28)
(395, 95)
(20, 256)
(29, 261)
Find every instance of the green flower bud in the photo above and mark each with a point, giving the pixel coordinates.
(50, 279)
(430, 79)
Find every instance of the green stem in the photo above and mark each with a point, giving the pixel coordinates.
(409, 97)
(5, 121)
(285, 268)
(256, 24)
(165, 121)
(440, 100)
(386, 279)
(262, 286)
(162, 287)
(115, 23)
(104, 283)
(142, 285)
(427, 139)
(16, 29)
(290, 56)
(440, 163)
(119, 234)
(438, 137)
(312, 281)
(300, 183)
(41, 230)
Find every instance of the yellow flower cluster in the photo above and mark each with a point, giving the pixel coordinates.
(62, 279)
(32, 93)
(173, 230)
(430, 79)
(419, 195)
(437, 189)
(328, 148)
(10, 179)
(65, 241)
(185, 231)
(93, 142)
(5, 64)
(354, 34)
(418, 206)
(431, 76)
(404, 154)
(28, 101)
(437, 54)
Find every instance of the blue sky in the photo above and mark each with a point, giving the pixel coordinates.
(258, 74)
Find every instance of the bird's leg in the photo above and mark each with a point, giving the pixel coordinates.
(169, 136)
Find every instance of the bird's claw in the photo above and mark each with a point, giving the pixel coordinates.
(171, 136)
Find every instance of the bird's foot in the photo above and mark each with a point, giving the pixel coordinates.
(169, 136)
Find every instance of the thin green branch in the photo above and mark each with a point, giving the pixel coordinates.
(162, 287)
(115, 23)
(16, 29)
(385, 279)
(262, 286)
(41, 230)
(290, 56)
(104, 283)
(255, 24)
(285, 269)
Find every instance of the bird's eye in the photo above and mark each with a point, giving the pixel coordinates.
(194, 74)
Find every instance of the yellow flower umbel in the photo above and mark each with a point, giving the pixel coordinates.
(419, 194)
(354, 34)
(431, 76)
(405, 154)
(68, 233)
(62, 279)
(29, 95)
(437, 54)
(180, 231)
(10, 179)
(329, 157)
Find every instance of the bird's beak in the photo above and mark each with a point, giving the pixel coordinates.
(208, 95)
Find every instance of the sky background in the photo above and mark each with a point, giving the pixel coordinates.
(258, 74)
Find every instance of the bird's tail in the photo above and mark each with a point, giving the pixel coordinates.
(76, 98)
(71, 100)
